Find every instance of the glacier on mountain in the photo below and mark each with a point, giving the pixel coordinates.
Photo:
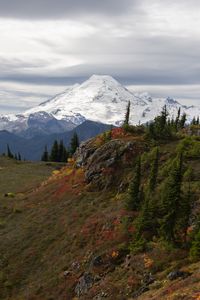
(100, 98)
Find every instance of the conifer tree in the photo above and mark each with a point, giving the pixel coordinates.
(146, 221)
(45, 155)
(9, 153)
(163, 119)
(74, 143)
(194, 121)
(185, 205)
(151, 130)
(134, 196)
(171, 200)
(195, 248)
(178, 119)
(127, 115)
(65, 155)
(54, 152)
(183, 121)
(19, 156)
(62, 152)
(154, 172)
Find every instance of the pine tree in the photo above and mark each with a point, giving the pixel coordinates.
(134, 196)
(183, 121)
(65, 155)
(161, 126)
(9, 153)
(185, 205)
(154, 172)
(146, 221)
(19, 156)
(54, 152)
(194, 121)
(74, 143)
(195, 248)
(163, 119)
(171, 200)
(62, 152)
(45, 155)
(178, 119)
(151, 131)
(127, 115)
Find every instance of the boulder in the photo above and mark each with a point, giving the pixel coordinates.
(84, 284)
(178, 274)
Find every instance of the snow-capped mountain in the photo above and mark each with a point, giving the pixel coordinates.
(100, 98)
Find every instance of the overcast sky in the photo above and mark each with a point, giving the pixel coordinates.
(150, 45)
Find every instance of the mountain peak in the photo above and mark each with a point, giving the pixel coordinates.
(96, 77)
(100, 98)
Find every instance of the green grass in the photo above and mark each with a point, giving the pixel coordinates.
(20, 177)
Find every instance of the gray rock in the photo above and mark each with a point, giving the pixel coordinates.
(84, 284)
(178, 274)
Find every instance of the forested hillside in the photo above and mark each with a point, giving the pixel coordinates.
(119, 221)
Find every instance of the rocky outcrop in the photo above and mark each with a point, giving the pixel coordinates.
(84, 284)
(104, 163)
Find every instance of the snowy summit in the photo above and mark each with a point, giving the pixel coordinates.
(100, 98)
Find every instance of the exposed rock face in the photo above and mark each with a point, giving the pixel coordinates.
(85, 150)
(104, 163)
(84, 284)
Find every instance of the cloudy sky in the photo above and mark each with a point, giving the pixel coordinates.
(148, 45)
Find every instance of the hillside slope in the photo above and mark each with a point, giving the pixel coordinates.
(68, 238)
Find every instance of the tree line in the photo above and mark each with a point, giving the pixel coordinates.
(9, 154)
(58, 152)
(163, 203)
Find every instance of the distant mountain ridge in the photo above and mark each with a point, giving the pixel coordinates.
(32, 149)
(99, 99)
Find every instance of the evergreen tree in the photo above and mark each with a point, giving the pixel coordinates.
(19, 156)
(9, 153)
(178, 119)
(182, 121)
(194, 121)
(74, 143)
(151, 131)
(146, 221)
(54, 152)
(154, 172)
(127, 115)
(15, 156)
(62, 152)
(160, 127)
(45, 155)
(163, 118)
(171, 200)
(134, 196)
(195, 248)
(185, 205)
(65, 155)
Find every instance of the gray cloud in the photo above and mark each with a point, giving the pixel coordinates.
(41, 9)
(139, 42)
